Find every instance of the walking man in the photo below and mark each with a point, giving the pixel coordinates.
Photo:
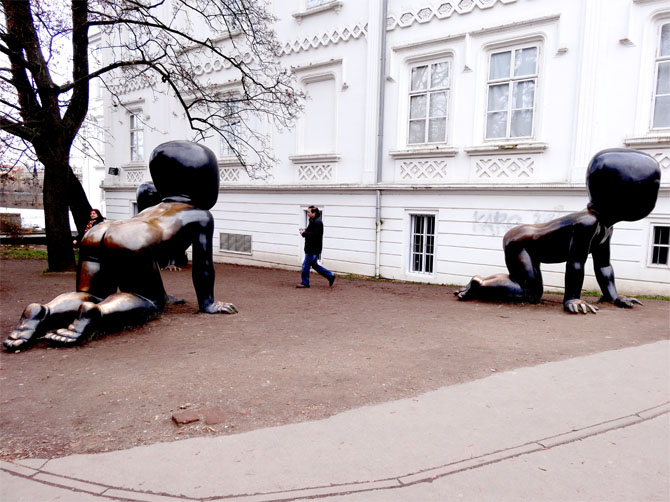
(313, 235)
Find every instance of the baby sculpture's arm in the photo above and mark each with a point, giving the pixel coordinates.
(203, 265)
(583, 230)
(605, 277)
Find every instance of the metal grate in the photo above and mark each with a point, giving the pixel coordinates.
(237, 243)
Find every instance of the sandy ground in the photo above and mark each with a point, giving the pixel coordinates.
(290, 355)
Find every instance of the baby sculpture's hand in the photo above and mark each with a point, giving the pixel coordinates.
(625, 302)
(220, 308)
(577, 305)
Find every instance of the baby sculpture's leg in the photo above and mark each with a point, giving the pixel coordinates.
(37, 319)
(524, 282)
(117, 310)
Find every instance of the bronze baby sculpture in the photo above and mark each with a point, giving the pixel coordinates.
(118, 280)
(623, 186)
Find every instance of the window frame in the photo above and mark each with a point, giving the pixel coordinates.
(136, 136)
(653, 245)
(428, 92)
(511, 80)
(659, 60)
(411, 262)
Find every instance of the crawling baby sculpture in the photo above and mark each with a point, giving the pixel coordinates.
(623, 186)
(118, 280)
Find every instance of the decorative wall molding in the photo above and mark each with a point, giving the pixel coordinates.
(443, 10)
(311, 173)
(313, 158)
(422, 170)
(217, 63)
(334, 36)
(133, 83)
(424, 152)
(404, 19)
(497, 148)
(489, 168)
(335, 5)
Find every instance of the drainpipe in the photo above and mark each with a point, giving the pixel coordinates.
(380, 132)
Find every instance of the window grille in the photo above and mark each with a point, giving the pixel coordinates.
(237, 243)
(428, 102)
(423, 243)
(511, 85)
(660, 246)
(662, 91)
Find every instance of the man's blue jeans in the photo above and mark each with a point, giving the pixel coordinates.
(311, 261)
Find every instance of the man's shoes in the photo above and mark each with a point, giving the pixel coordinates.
(301, 286)
(331, 280)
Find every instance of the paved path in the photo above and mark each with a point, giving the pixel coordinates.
(589, 428)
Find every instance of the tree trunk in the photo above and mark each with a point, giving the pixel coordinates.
(79, 205)
(59, 236)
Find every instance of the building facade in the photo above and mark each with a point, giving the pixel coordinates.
(431, 128)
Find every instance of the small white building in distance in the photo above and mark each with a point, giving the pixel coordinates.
(432, 128)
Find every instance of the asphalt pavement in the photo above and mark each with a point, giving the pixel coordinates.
(592, 428)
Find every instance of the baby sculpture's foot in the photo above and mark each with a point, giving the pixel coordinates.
(63, 336)
(27, 328)
(77, 332)
(470, 291)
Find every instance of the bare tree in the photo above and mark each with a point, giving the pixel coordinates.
(163, 43)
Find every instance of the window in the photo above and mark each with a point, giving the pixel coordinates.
(319, 123)
(660, 246)
(230, 127)
(315, 3)
(428, 101)
(662, 87)
(136, 137)
(512, 81)
(423, 243)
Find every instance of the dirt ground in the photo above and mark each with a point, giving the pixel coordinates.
(290, 355)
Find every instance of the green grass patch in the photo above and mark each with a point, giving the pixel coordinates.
(18, 252)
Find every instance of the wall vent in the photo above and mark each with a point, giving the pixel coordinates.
(237, 243)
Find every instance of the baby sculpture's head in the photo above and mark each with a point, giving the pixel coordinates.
(147, 196)
(186, 171)
(622, 184)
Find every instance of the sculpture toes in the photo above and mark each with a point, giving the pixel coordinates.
(63, 336)
(12, 344)
(636, 301)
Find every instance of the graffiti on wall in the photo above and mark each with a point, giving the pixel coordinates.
(497, 223)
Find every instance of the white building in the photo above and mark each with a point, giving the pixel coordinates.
(88, 149)
(491, 111)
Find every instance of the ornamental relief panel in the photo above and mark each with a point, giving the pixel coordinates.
(229, 175)
(663, 159)
(418, 170)
(316, 173)
(134, 176)
(503, 168)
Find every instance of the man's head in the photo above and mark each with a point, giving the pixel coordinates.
(622, 184)
(187, 170)
(313, 212)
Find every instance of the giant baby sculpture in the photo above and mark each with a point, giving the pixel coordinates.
(118, 280)
(623, 186)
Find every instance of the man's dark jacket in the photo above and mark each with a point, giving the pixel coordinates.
(313, 235)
